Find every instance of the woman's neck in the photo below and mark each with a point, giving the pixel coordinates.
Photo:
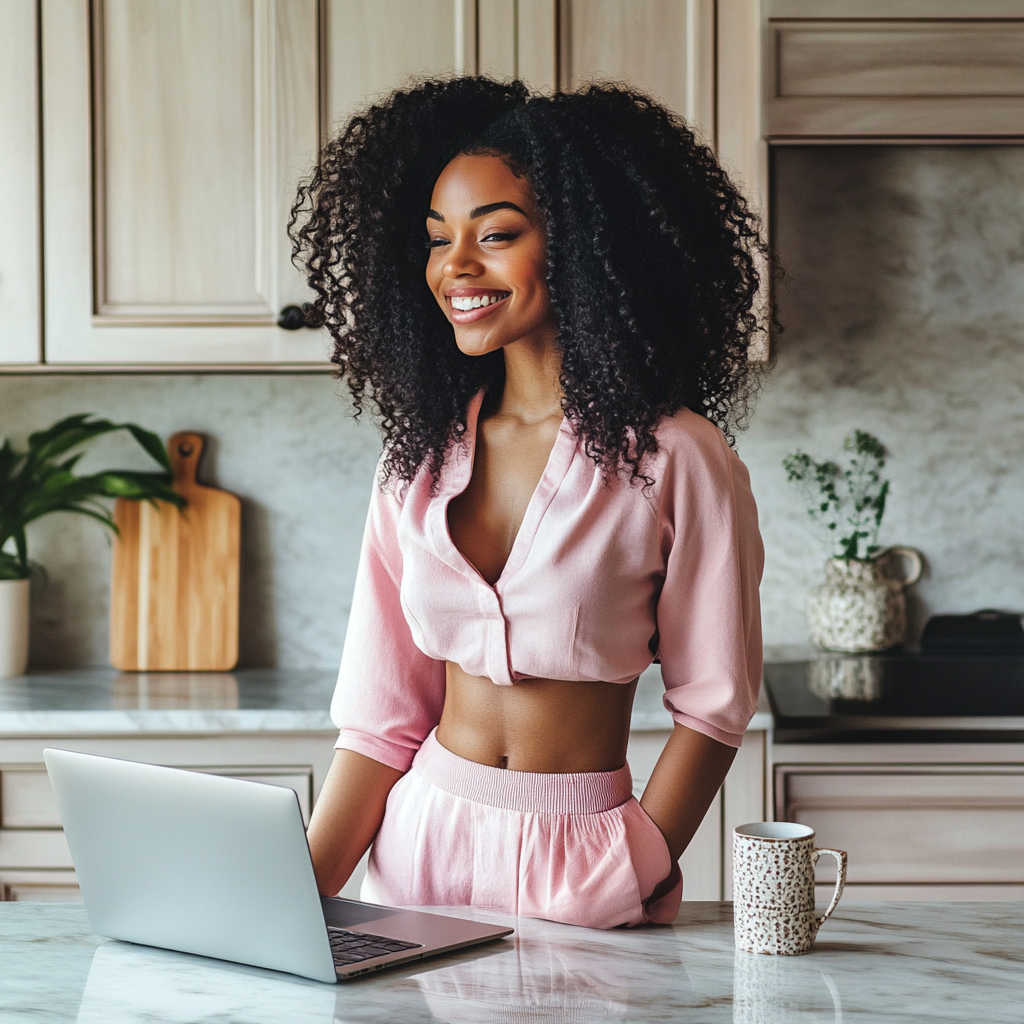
(533, 389)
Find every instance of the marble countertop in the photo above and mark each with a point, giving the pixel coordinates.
(884, 962)
(108, 702)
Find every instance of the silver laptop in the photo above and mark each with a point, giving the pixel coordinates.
(210, 865)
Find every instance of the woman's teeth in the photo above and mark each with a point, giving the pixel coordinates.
(466, 302)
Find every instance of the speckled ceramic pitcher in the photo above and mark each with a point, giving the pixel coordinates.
(773, 887)
(860, 606)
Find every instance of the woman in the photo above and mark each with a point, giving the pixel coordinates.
(557, 503)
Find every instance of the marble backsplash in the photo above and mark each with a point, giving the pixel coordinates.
(903, 303)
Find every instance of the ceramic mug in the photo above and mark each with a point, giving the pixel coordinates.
(773, 887)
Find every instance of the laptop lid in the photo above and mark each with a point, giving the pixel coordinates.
(194, 862)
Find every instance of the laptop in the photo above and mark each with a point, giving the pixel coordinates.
(216, 866)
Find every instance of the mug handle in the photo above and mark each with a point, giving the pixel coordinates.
(840, 856)
(914, 557)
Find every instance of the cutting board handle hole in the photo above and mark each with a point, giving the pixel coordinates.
(185, 449)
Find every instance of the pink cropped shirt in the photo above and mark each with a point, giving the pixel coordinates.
(603, 577)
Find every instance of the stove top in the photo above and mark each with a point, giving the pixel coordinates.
(921, 697)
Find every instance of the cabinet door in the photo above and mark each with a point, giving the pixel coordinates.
(20, 296)
(665, 47)
(371, 48)
(174, 134)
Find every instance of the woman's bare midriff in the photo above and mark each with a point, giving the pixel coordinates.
(537, 725)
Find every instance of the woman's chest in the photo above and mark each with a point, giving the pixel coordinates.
(484, 520)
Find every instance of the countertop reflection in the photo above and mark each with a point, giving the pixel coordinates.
(889, 962)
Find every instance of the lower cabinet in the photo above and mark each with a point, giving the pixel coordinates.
(35, 863)
(925, 830)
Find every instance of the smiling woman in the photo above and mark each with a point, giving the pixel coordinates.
(557, 501)
(488, 262)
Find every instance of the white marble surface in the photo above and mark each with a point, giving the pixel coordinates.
(107, 702)
(885, 962)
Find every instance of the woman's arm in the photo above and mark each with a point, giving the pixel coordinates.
(347, 816)
(689, 773)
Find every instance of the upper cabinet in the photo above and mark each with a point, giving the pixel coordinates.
(862, 69)
(152, 147)
(665, 47)
(173, 134)
(20, 285)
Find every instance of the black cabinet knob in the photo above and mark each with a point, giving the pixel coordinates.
(292, 318)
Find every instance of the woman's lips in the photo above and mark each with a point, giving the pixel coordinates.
(469, 316)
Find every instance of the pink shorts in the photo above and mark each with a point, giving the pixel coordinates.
(576, 848)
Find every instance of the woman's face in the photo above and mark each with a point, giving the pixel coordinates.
(487, 265)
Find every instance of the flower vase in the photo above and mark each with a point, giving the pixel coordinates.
(13, 627)
(861, 605)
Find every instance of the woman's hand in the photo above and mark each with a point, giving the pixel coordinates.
(689, 773)
(347, 816)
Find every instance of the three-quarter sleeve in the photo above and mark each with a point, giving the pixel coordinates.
(709, 613)
(389, 693)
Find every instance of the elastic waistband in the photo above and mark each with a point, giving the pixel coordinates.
(569, 793)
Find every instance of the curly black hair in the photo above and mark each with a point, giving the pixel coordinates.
(651, 255)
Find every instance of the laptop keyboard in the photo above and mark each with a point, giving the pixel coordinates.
(351, 947)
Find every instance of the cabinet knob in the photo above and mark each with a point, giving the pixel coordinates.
(292, 318)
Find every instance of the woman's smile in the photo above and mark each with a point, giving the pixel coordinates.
(471, 304)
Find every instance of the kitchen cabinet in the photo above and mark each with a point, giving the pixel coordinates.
(924, 821)
(665, 47)
(148, 203)
(20, 286)
(35, 863)
(903, 69)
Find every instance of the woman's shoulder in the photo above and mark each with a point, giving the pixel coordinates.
(688, 440)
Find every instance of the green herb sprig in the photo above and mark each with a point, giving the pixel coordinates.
(849, 501)
(39, 481)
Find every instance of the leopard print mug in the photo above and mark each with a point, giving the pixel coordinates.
(773, 887)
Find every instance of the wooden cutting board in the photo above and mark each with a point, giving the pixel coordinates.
(174, 595)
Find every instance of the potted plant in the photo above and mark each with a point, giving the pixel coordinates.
(42, 480)
(861, 605)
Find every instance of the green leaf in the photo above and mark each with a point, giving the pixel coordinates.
(848, 501)
(152, 444)
(38, 482)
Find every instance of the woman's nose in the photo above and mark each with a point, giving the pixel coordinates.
(460, 261)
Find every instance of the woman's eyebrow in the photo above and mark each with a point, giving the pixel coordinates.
(480, 211)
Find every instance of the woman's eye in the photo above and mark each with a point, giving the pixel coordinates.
(500, 236)
(436, 243)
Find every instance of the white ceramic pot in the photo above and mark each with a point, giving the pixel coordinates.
(861, 606)
(13, 627)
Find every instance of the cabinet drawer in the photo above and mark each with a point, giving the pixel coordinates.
(39, 887)
(27, 801)
(912, 77)
(34, 848)
(875, 59)
(953, 827)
